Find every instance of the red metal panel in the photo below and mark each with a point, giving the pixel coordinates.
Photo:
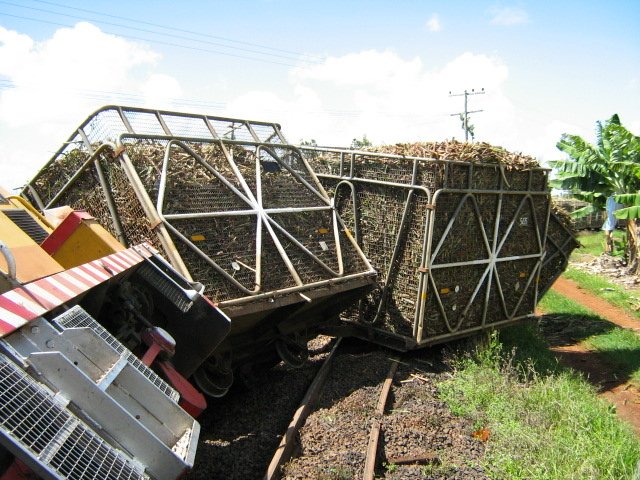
(29, 301)
(61, 234)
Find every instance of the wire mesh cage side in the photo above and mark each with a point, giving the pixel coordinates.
(501, 258)
(486, 240)
(390, 225)
(560, 242)
(214, 186)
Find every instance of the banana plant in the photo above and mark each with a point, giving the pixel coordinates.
(595, 172)
(610, 167)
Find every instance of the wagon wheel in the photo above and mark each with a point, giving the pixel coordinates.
(293, 352)
(215, 376)
(253, 372)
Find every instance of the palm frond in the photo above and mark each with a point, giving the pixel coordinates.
(584, 211)
(628, 213)
(631, 199)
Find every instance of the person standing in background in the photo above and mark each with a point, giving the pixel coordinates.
(609, 224)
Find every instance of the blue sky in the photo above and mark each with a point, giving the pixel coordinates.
(328, 70)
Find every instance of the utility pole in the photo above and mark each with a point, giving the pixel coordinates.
(465, 115)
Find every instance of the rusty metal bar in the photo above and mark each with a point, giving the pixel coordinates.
(374, 435)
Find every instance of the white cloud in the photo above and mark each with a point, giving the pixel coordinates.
(386, 97)
(51, 86)
(634, 126)
(508, 16)
(545, 142)
(378, 93)
(369, 68)
(160, 90)
(434, 24)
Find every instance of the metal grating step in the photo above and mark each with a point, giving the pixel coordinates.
(50, 436)
(165, 286)
(76, 317)
(27, 224)
(28, 413)
(85, 455)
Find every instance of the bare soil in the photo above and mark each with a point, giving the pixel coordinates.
(604, 309)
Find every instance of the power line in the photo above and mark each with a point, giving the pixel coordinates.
(155, 32)
(192, 32)
(107, 95)
(160, 42)
(465, 115)
(137, 98)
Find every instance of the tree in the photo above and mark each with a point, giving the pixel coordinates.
(468, 127)
(360, 144)
(611, 167)
(309, 143)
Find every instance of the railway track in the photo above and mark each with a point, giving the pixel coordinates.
(344, 415)
(241, 431)
(373, 415)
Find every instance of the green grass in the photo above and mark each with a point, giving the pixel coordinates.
(621, 348)
(556, 303)
(593, 243)
(601, 287)
(543, 426)
(571, 322)
(567, 322)
(547, 422)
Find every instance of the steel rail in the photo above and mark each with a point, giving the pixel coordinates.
(285, 448)
(374, 434)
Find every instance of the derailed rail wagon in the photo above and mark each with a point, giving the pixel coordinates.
(464, 240)
(288, 239)
(230, 205)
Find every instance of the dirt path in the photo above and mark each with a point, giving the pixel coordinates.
(602, 308)
(624, 395)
